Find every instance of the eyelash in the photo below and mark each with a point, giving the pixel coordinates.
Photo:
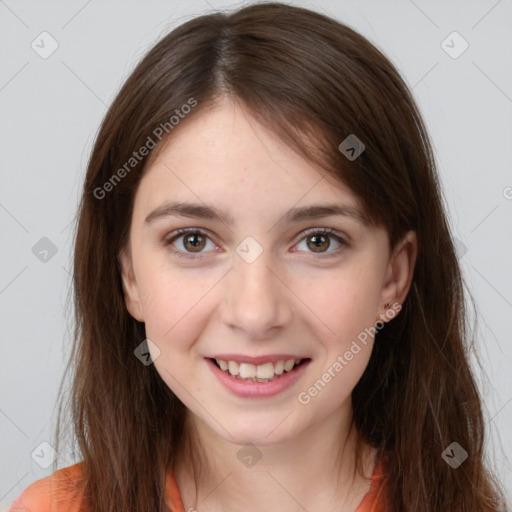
(306, 234)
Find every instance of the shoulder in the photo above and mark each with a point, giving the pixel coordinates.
(62, 491)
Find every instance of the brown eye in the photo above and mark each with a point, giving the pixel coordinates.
(318, 243)
(194, 242)
(189, 243)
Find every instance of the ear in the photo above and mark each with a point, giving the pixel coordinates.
(399, 273)
(130, 286)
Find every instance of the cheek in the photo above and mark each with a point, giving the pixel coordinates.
(174, 319)
(341, 305)
(173, 304)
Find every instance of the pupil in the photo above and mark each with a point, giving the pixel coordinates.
(193, 241)
(319, 242)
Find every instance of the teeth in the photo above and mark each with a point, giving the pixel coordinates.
(262, 371)
(289, 365)
(233, 367)
(279, 367)
(247, 371)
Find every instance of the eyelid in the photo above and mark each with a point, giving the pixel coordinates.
(178, 233)
(327, 231)
(330, 232)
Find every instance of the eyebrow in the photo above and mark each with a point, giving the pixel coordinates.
(182, 209)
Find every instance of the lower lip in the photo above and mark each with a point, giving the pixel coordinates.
(247, 389)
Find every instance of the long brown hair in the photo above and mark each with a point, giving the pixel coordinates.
(308, 78)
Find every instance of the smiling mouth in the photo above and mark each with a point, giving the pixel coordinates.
(248, 372)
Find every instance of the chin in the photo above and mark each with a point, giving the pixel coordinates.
(268, 433)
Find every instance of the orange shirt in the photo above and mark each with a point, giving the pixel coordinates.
(62, 492)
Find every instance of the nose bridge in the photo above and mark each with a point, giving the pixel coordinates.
(255, 300)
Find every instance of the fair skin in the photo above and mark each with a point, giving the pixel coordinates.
(291, 299)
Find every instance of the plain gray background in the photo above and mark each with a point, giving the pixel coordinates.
(51, 109)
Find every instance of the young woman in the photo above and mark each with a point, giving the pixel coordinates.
(270, 311)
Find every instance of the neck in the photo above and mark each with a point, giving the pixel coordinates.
(313, 470)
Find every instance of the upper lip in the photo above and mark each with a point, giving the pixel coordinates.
(272, 358)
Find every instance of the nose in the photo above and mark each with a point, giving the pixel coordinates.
(256, 302)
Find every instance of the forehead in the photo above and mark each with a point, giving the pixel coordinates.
(223, 155)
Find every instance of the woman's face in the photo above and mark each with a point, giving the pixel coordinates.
(249, 281)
